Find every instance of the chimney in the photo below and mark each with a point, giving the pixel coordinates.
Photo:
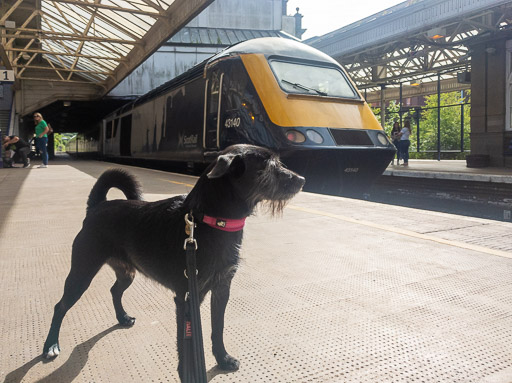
(298, 24)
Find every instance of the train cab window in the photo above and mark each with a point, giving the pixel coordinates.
(305, 78)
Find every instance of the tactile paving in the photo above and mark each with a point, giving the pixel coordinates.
(323, 295)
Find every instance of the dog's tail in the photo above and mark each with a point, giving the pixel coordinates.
(114, 178)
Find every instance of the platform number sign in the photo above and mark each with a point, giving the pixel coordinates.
(6, 75)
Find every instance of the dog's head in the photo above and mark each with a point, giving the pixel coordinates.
(255, 175)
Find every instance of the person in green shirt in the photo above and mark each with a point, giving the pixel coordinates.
(41, 138)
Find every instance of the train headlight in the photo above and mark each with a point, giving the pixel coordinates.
(315, 136)
(295, 136)
(382, 139)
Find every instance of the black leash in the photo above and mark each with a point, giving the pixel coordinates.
(194, 367)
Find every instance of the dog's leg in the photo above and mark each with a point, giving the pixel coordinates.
(125, 274)
(220, 297)
(78, 280)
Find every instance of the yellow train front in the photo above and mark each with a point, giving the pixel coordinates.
(271, 92)
(300, 102)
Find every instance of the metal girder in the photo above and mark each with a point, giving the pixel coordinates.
(53, 53)
(98, 5)
(92, 41)
(421, 57)
(178, 15)
(393, 92)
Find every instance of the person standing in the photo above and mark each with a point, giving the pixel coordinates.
(21, 148)
(395, 136)
(41, 138)
(404, 144)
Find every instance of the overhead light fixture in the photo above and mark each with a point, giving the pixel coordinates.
(415, 83)
(436, 33)
(66, 103)
(25, 56)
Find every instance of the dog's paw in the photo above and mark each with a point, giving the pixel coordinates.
(228, 363)
(126, 320)
(53, 351)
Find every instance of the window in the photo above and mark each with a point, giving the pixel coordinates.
(302, 78)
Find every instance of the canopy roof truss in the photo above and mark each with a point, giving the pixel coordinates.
(420, 56)
(95, 42)
(416, 42)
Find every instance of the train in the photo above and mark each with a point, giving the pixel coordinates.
(273, 92)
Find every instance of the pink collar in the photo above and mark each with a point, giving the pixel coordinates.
(224, 224)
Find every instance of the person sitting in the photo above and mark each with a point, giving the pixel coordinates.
(21, 149)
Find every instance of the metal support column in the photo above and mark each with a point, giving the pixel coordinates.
(462, 127)
(400, 112)
(439, 116)
(382, 107)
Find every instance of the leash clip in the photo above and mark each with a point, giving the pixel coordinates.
(189, 229)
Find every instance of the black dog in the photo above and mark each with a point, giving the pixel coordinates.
(134, 235)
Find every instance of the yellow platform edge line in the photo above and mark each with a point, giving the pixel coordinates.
(176, 182)
(409, 233)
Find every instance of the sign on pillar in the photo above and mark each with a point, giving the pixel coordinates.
(6, 75)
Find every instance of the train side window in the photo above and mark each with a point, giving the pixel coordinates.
(214, 93)
(211, 127)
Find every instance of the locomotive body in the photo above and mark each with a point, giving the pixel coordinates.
(270, 92)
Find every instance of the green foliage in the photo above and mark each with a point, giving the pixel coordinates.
(450, 117)
(391, 113)
(426, 120)
(60, 141)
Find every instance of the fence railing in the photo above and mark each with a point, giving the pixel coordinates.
(444, 129)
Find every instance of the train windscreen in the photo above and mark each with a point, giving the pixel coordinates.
(295, 77)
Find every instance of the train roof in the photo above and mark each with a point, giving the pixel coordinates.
(268, 46)
(192, 73)
(275, 46)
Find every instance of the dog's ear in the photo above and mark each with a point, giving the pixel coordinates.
(227, 163)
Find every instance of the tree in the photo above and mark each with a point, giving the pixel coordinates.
(60, 141)
(452, 107)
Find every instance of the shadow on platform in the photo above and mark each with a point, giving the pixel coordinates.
(69, 370)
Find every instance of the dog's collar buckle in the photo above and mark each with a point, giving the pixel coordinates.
(224, 224)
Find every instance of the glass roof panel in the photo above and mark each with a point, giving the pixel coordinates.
(92, 38)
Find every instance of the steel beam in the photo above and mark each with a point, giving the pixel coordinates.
(177, 16)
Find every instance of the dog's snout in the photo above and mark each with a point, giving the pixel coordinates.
(292, 180)
(299, 181)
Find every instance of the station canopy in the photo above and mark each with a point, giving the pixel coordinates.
(93, 41)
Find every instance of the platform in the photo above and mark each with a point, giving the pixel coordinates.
(450, 170)
(337, 290)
